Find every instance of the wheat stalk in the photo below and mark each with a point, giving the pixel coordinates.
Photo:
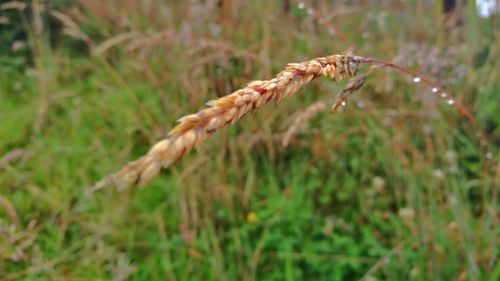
(196, 128)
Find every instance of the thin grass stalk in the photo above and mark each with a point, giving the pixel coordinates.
(196, 128)
(302, 118)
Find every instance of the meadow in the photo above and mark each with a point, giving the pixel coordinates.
(395, 185)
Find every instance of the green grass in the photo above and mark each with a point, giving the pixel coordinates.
(360, 191)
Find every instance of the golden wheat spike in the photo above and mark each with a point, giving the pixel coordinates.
(196, 128)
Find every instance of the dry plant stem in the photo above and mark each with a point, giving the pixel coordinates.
(441, 92)
(194, 129)
(303, 117)
(9, 209)
(37, 37)
(322, 21)
(462, 110)
(13, 155)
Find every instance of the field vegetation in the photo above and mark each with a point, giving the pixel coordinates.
(395, 185)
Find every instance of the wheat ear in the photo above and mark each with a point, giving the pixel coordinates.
(196, 128)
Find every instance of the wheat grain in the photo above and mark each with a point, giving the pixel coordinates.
(196, 128)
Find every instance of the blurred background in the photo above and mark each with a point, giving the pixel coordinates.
(395, 186)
